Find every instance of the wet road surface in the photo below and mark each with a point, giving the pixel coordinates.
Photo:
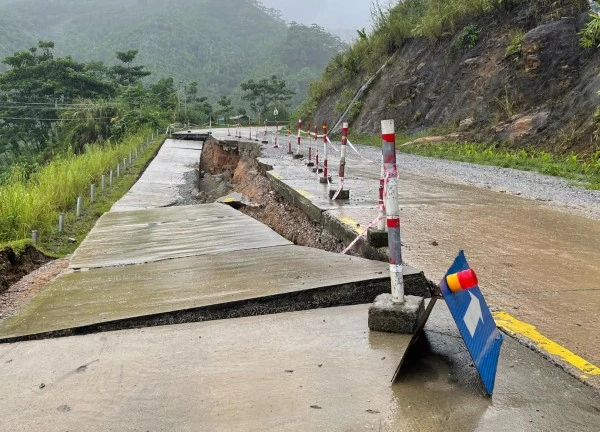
(301, 371)
(539, 263)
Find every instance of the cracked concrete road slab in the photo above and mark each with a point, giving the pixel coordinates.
(313, 370)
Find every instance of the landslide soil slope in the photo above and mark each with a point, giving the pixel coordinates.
(544, 95)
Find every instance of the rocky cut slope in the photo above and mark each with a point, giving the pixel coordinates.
(520, 76)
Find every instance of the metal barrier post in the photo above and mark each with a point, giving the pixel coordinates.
(325, 179)
(342, 193)
(298, 155)
(388, 145)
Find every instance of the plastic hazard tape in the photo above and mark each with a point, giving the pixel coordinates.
(361, 235)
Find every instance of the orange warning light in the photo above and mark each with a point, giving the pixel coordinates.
(461, 281)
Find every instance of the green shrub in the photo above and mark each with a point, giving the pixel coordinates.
(464, 41)
(589, 36)
(354, 111)
(515, 42)
(345, 99)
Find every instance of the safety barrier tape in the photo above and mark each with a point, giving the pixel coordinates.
(377, 219)
(333, 145)
(358, 153)
(339, 190)
(361, 235)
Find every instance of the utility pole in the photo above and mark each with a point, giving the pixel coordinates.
(185, 100)
(179, 99)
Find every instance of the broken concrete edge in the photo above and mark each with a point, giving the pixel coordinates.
(236, 200)
(344, 194)
(347, 294)
(183, 136)
(377, 238)
(330, 223)
(340, 230)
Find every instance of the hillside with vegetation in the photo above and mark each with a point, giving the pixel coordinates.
(213, 43)
(498, 75)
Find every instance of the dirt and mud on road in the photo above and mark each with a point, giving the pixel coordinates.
(23, 273)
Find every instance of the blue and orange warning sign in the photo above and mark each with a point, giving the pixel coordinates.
(460, 289)
(474, 320)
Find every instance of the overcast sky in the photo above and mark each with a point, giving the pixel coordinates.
(330, 14)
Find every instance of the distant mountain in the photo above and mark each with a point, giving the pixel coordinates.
(216, 43)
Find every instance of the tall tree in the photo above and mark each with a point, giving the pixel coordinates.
(33, 92)
(225, 107)
(126, 74)
(266, 93)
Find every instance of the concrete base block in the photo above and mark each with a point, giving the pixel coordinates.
(310, 164)
(324, 180)
(377, 238)
(265, 142)
(343, 195)
(297, 156)
(290, 152)
(385, 316)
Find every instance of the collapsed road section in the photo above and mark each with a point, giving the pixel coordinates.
(308, 362)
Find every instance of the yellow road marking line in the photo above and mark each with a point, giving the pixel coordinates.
(305, 194)
(228, 200)
(352, 223)
(277, 175)
(513, 326)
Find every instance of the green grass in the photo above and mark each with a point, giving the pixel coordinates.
(584, 171)
(35, 204)
(515, 43)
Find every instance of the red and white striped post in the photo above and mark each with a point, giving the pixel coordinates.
(340, 193)
(310, 162)
(381, 224)
(316, 169)
(298, 155)
(388, 136)
(342, 171)
(228, 131)
(325, 178)
(378, 236)
(265, 140)
(290, 140)
(250, 128)
(276, 145)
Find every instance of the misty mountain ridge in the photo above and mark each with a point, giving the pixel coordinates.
(214, 43)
